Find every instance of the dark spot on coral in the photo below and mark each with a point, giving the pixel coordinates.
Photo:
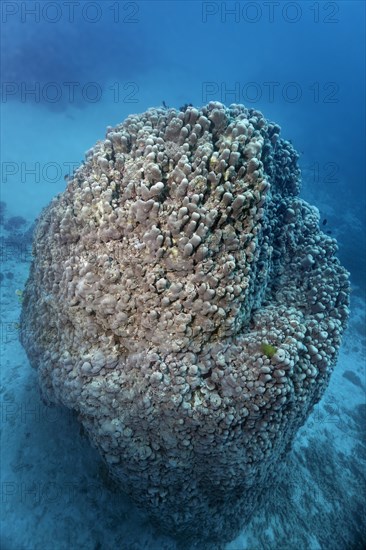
(207, 374)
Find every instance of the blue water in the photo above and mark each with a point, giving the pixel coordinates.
(69, 70)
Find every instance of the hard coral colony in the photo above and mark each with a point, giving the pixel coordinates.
(176, 250)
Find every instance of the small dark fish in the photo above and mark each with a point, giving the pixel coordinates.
(329, 232)
(165, 105)
(325, 221)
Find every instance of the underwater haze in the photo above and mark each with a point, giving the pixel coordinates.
(70, 73)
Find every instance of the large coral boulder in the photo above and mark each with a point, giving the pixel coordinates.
(183, 300)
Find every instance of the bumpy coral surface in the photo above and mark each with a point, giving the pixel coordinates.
(178, 254)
